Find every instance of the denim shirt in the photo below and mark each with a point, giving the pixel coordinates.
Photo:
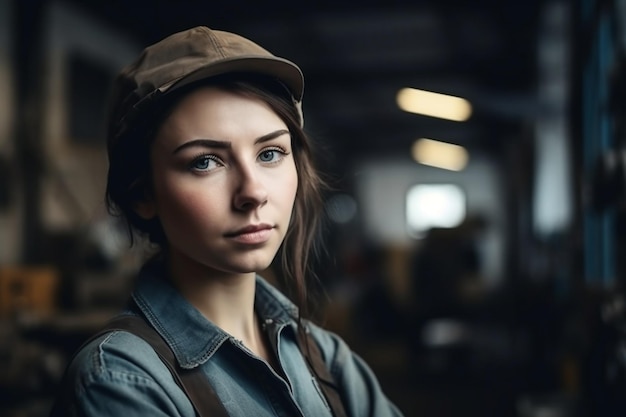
(119, 374)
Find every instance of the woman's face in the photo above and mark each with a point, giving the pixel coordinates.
(224, 181)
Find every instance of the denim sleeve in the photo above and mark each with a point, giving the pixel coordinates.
(359, 386)
(121, 375)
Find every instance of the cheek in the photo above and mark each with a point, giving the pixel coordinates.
(179, 202)
(290, 187)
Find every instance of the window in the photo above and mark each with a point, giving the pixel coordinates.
(434, 205)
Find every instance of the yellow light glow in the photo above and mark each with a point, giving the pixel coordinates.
(440, 154)
(432, 104)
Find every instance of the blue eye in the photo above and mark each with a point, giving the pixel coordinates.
(204, 163)
(267, 156)
(271, 155)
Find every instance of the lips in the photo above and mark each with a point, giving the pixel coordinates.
(253, 234)
(249, 229)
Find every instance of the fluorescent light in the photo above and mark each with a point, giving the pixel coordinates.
(434, 104)
(439, 154)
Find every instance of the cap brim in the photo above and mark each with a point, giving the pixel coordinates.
(284, 70)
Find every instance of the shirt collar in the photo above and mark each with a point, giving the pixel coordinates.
(192, 337)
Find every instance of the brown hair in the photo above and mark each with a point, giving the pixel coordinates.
(129, 176)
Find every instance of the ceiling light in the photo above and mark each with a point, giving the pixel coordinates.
(440, 154)
(432, 104)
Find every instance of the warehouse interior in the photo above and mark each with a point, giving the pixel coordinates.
(490, 287)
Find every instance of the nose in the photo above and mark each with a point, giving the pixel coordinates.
(250, 192)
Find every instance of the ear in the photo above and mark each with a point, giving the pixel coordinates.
(145, 209)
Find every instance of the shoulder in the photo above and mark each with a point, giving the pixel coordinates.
(357, 384)
(119, 373)
(116, 356)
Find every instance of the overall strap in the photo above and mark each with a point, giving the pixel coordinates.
(315, 362)
(197, 387)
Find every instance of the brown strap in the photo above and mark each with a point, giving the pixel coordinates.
(313, 356)
(197, 387)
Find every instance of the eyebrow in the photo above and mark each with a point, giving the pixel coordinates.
(213, 143)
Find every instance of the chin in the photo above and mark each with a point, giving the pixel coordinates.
(259, 268)
(256, 262)
(253, 266)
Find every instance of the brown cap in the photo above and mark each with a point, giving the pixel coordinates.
(189, 56)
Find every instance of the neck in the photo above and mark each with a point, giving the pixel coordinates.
(225, 299)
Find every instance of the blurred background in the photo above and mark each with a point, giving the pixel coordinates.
(476, 229)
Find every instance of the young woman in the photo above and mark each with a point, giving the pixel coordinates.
(209, 160)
